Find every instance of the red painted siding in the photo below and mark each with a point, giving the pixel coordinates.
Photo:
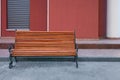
(4, 20)
(38, 15)
(81, 15)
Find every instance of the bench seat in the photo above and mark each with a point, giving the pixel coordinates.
(37, 43)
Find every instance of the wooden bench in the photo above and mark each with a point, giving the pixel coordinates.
(36, 43)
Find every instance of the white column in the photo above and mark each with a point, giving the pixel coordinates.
(113, 18)
(0, 19)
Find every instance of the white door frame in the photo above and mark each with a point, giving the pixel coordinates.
(0, 20)
(48, 15)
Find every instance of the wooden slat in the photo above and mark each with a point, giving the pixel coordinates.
(62, 37)
(44, 53)
(45, 48)
(43, 40)
(32, 47)
(39, 44)
(42, 33)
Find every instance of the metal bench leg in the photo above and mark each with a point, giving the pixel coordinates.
(10, 47)
(76, 60)
(15, 59)
(11, 62)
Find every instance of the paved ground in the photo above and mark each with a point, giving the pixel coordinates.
(60, 71)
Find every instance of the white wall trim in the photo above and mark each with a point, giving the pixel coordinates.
(113, 18)
(48, 15)
(0, 20)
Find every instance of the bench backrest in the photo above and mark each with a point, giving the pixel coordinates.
(44, 40)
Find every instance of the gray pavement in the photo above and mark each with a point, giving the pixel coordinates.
(61, 71)
(65, 70)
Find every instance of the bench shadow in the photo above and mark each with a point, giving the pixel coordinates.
(25, 62)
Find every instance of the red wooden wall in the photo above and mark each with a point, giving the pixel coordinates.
(38, 15)
(79, 15)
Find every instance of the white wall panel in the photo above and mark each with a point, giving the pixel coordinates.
(0, 18)
(113, 18)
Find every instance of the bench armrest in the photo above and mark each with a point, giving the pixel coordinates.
(76, 47)
(10, 47)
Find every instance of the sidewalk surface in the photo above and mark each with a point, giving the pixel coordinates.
(60, 71)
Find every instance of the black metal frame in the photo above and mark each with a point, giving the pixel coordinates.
(76, 47)
(10, 47)
(76, 57)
